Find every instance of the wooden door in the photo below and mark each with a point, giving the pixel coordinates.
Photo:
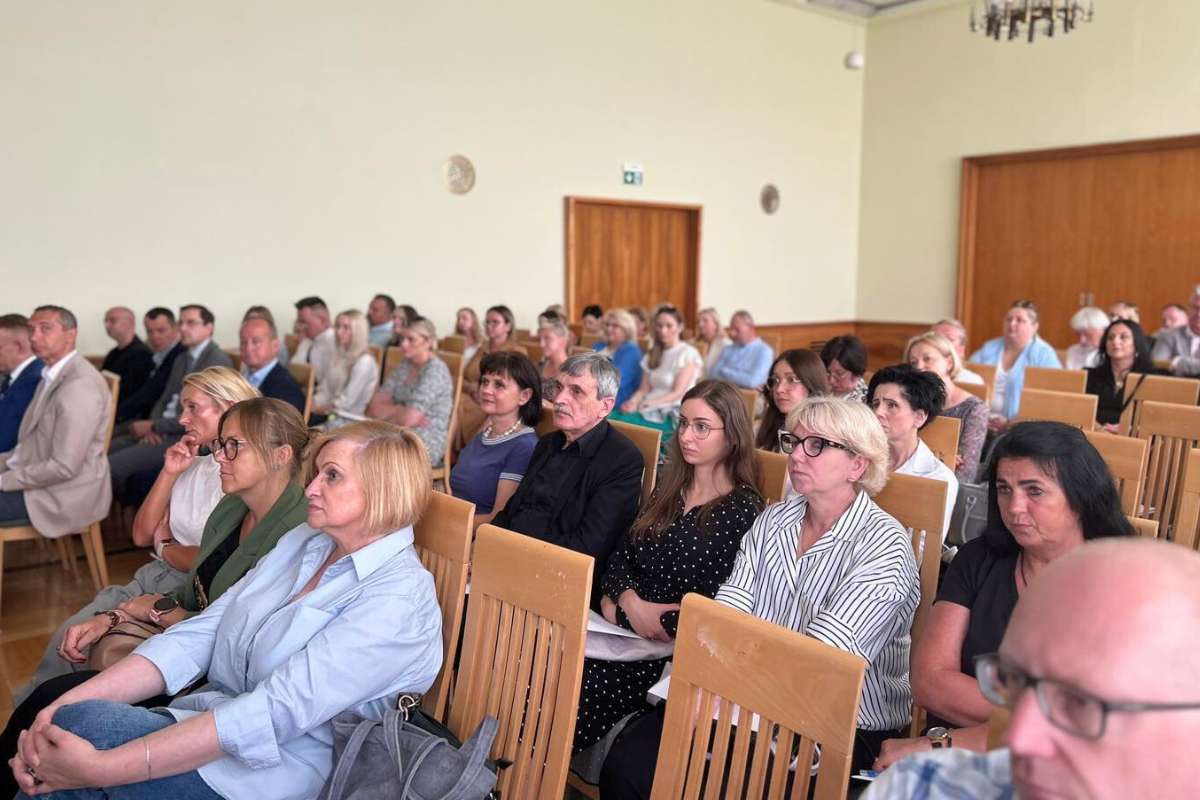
(621, 254)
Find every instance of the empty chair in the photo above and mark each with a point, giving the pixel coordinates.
(1172, 431)
(1056, 380)
(1126, 459)
(941, 436)
(1074, 409)
(1188, 518)
(1157, 388)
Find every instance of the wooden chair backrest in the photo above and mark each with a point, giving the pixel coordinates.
(522, 333)
(574, 351)
(377, 354)
(775, 475)
(985, 371)
(941, 436)
(588, 340)
(1074, 409)
(576, 328)
(1062, 356)
(750, 397)
(453, 344)
(1056, 380)
(114, 391)
(235, 357)
(532, 349)
(1172, 431)
(648, 441)
(1126, 458)
(717, 647)
(291, 341)
(1144, 527)
(522, 658)
(997, 726)
(456, 364)
(306, 376)
(96, 361)
(1156, 388)
(546, 423)
(443, 541)
(1187, 520)
(980, 390)
(391, 358)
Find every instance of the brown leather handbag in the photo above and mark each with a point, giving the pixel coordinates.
(121, 640)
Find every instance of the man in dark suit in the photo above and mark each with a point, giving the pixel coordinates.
(131, 358)
(140, 451)
(22, 373)
(582, 486)
(260, 363)
(162, 334)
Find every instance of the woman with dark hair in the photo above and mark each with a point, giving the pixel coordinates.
(499, 335)
(1126, 349)
(490, 468)
(670, 368)
(593, 320)
(1049, 491)
(845, 361)
(905, 400)
(685, 540)
(796, 376)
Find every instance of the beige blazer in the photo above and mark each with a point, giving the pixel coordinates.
(62, 467)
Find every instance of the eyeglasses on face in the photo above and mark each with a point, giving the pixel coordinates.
(789, 381)
(1065, 707)
(813, 445)
(228, 447)
(700, 429)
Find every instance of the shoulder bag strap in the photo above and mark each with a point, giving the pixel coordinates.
(337, 781)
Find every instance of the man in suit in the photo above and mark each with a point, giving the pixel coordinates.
(1181, 346)
(57, 475)
(22, 373)
(582, 486)
(140, 451)
(131, 358)
(162, 334)
(261, 367)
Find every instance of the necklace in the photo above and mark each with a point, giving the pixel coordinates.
(488, 433)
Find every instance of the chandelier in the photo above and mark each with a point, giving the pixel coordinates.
(1007, 17)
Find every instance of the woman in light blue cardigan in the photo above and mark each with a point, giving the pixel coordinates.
(621, 346)
(1011, 353)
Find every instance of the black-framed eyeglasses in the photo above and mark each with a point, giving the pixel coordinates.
(227, 447)
(700, 429)
(774, 381)
(1067, 708)
(813, 445)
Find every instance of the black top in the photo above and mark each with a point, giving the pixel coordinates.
(682, 558)
(138, 404)
(1110, 398)
(210, 566)
(134, 362)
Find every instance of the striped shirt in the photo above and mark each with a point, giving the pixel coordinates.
(856, 588)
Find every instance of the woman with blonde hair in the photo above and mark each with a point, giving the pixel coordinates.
(710, 336)
(554, 339)
(669, 370)
(932, 352)
(621, 348)
(353, 373)
(466, 325)
(419, 394)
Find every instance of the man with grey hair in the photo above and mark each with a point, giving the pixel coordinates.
(746, 362)
(584, 479)
(1181, 346)
(956, 333)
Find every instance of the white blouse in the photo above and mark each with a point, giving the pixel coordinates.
(714, 352)
(193, 497)
(355, 392)
(662, 377)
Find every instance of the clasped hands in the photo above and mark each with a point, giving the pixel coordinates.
(645, 618)
(50, 759)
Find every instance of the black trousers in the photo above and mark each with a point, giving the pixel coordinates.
(628, 772)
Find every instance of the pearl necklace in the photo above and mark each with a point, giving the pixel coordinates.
(488, 433)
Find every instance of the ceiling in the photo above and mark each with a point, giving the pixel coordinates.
(864, 8)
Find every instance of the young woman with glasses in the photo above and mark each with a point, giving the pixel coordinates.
(796, 376)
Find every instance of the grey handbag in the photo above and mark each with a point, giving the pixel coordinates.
(970, 514)
(408, 756)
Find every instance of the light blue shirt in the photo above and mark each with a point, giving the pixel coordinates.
(256, 378)
(278, 671)
(947, 774)
(745, 365)
(1036, 354)
(380, 335)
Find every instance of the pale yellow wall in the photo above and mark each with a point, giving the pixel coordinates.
(239, 152)
(936, 93)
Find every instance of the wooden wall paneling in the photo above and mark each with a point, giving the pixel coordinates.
(885, 341)
(804, 335)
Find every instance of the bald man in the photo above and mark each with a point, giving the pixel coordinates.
(132, 359)
(1098, 667)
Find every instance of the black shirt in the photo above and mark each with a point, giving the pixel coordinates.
(134, 362)
(532, 516)
(209, 567)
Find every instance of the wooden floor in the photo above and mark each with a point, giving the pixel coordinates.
(36, 600)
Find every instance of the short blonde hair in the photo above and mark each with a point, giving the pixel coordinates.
(626, 321)
(939, 343)
(425, 328)
(393, 468)
(852, 423)
(222, 384)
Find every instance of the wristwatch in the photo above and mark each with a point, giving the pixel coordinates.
(162, 606)
(939, 737)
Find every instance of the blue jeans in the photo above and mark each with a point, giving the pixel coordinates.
(107, 725)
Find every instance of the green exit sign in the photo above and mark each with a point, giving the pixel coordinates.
(633, 174)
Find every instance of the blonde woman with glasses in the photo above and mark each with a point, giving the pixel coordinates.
(353, 373)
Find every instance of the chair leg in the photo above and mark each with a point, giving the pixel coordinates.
(93, 545)
(66, 552)
(1, 571)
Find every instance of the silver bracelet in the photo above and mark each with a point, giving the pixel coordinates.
(146, 742)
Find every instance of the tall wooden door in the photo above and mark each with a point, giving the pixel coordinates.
(621, 253)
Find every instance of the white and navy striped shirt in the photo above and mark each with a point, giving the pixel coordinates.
(856, 588)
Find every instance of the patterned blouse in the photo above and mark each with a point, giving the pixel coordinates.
(974, 415)
(431, 393)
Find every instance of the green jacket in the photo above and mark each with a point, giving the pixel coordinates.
(289, 511)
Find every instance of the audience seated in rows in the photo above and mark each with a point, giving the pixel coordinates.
(1179, 345)
(162, 335)
(501, 338)
(828, 563)
(262, 312)
(491, 466)
(136, 454)
(620, 346)
(746, 361)
(641, 318)
(796, 376)
(22, 376)
(593, 320)
(260, 364)
(466, 325)
(1089, 324)
(684, 540)
(419, 394)
(584, 480)
(1126, 350)
(556, 313)
(710, 338)
(401, 316)
(845, 360)
(339, 616)
(1173, 315)
(317, 346)
(1049, 491)
(131, 359)
(669, 370)
(553, 337)
(353, 373)
(956, 333)
(1097, 668)
(1123, 309)
(379, 318)
(934, 353)
(905, 400)
(1010, 354)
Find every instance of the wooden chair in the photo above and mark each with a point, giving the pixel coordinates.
(391, 359)
(1062, 357)
(1056, 380)
(1144, 527)
(750, 396)
(522, 658)
(987, 372)
(716, 649)
(546, 423)
(522, 334)
(456, 363)
(577, 329)
(235, 357)
(1074, 409)
(775, 475)
(1187, 520)
(997, 727)
(1156, 388)
(443, 541)
(306, 376)
(589, 340)
(96, 361)
(574, 351)
(1172, 431)
(980, 390)
(377, 354)
(648, 442)
(532, 349)
(1126, 459)
(941, 436)
(453, 344)
(292, 341)
(93, 542)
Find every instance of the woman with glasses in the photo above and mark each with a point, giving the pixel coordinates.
(845, 360)
(1049, 492)
(500, 337)
(669, 370)
(684, 541)
(932, 352)
(1010, 354)
(828, 563)
(796, 376)
(258, 449)
(620, 345)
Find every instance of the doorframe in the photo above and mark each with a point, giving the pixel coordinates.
(571, 202)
